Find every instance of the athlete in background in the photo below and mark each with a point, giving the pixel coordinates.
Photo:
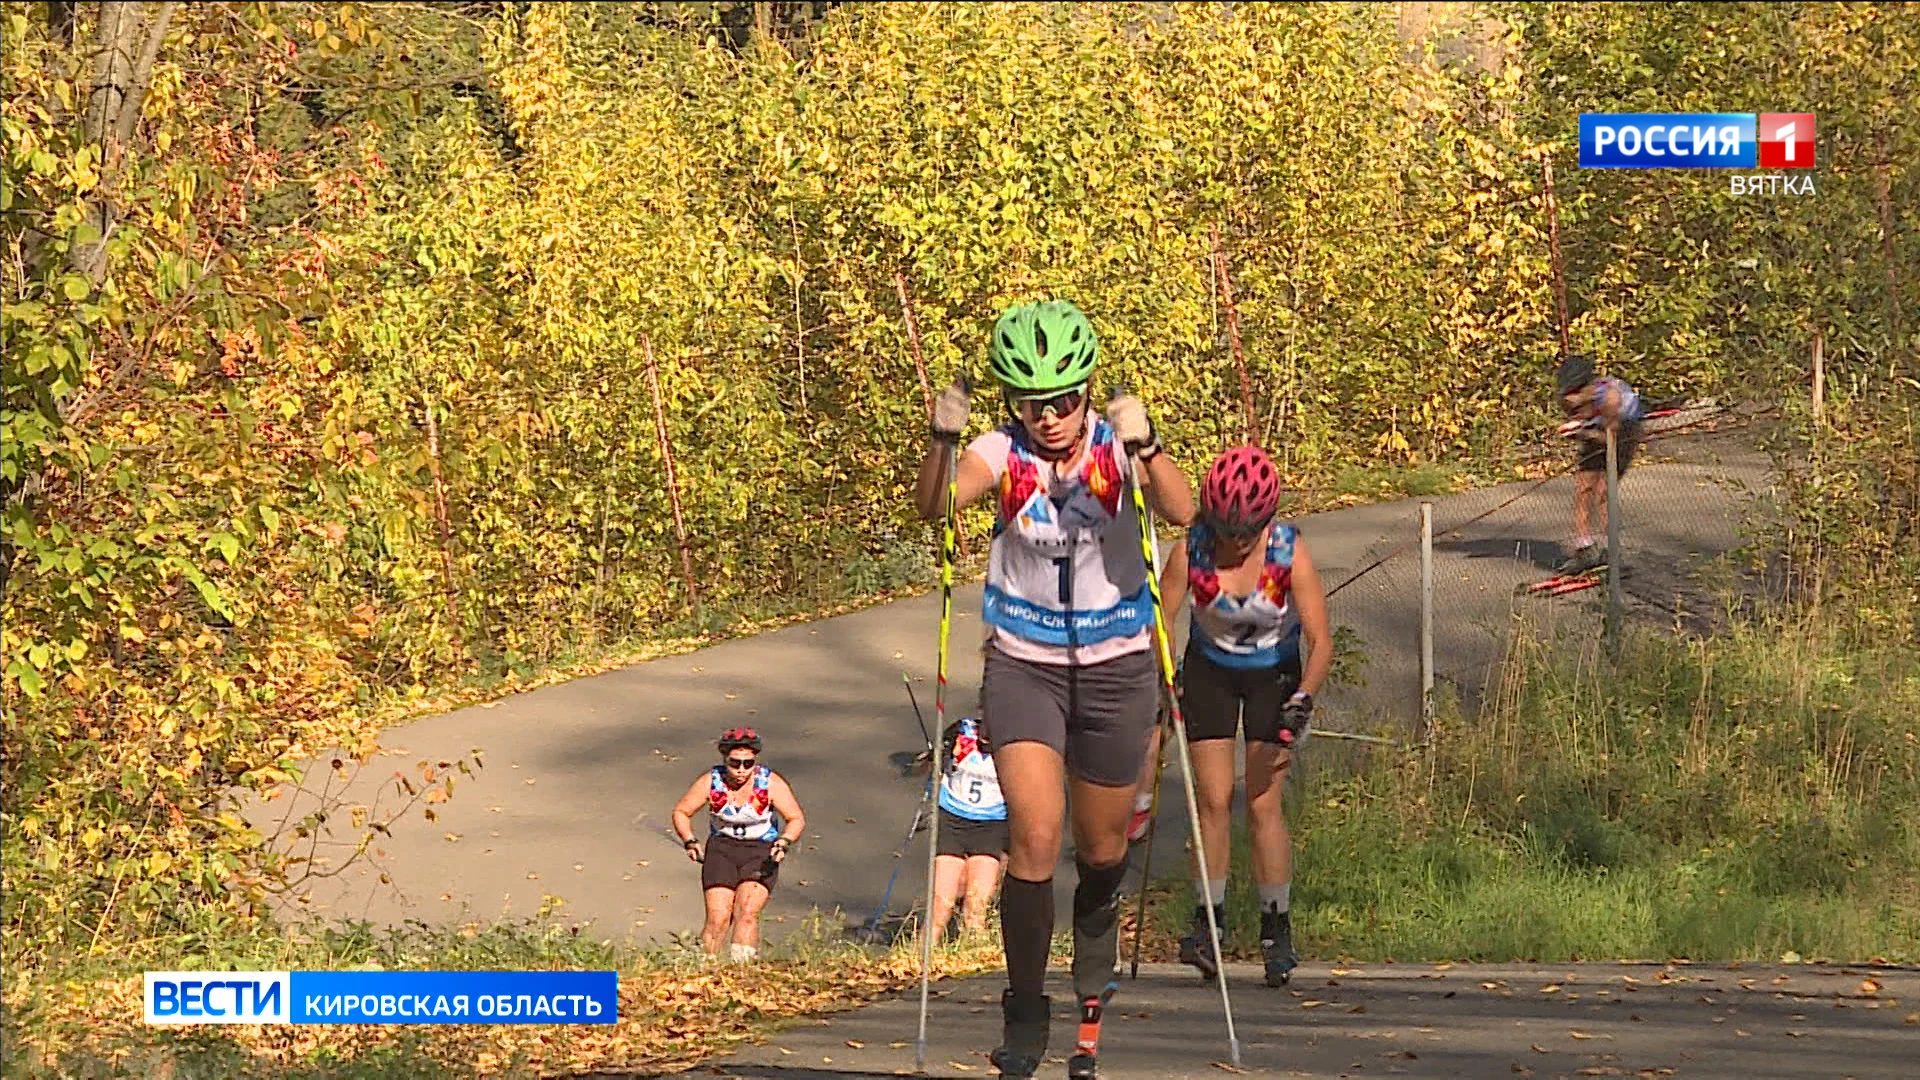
(1596, 406)
(1255, 596)
(973, 830)
(754, 820)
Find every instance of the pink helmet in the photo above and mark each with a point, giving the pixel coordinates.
(1241, 491)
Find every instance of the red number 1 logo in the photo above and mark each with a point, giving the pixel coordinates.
(1786, 140)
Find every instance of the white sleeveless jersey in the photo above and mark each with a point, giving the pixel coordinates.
(972, 786)
(751, 820)
(1259, 630)
(1065, 569)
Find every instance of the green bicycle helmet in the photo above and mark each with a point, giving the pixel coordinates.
(1042, 347)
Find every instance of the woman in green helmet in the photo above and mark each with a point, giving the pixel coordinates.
(1071, 687)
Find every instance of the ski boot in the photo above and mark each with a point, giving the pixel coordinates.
(1023, 1039)
(1096, 956)
(1197, 947)
(1584, 560)
(1276, 947)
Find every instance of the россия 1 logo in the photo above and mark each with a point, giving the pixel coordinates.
(1704, 141)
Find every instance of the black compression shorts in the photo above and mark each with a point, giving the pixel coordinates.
(1214, 698)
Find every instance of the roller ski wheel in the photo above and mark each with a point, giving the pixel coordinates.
(1276, 947)
(1024, 1023)
(1085, 1063)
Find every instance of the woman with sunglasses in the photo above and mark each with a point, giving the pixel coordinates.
(1255, 595)
(754, 821)
(1070, 688)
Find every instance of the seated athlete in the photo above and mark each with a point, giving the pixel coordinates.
(1596, 405)
(754, 821)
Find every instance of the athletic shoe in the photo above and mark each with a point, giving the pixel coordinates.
(1197, 947)
(1024, 1023)
(1584, 560)
(1276, 947)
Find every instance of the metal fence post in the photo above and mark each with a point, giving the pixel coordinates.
(1426, 620)
(1615, 601)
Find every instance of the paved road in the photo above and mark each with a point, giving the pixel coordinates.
(1414, 1020)
(580, 777)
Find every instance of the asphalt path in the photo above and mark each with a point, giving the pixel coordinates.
(579, 779)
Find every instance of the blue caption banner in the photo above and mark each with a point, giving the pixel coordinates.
(383, 997)
(1668, 140)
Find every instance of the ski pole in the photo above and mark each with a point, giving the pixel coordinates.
(915, 700)
(940, 720)
(1186, 762)
(1146, 859)
(1153, 804)
(899, 856)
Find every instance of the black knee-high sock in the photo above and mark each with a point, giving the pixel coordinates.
(1026, 931)
(1096, 890)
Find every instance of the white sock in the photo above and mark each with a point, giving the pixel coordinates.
(1218, 888)
(1275, 896)
(743, 954)
(1143, 800)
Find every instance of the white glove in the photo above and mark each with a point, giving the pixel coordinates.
(1128, 415)
(950, 411)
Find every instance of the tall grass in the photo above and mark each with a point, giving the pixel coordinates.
(1750, 795)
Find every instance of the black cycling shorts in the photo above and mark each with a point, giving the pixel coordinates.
(1215, 699)
(1592, 453)
(961, 837)
(731, 861)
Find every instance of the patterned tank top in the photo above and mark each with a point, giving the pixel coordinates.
(1259, 630)
(754, 819)
(972, 787)
(1064, 571)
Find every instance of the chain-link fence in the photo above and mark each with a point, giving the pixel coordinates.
(1695, 484)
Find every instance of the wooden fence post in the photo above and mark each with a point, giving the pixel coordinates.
(1224, 279)
(1559, 272)
(452, 590)
(673, 482)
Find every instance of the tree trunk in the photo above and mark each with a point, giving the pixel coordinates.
(117, 90)
(60, 22)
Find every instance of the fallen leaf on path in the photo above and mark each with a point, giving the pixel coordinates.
(1550, 988)
(493, 809)
(1522, 1069)
(856, 1044)
(730, 697)
(957, 1065)
(446, 896)
(1311, 1003)
(851, 821)
(489, 704)
(1489, 986)
(1538, 1049)
(1869, 987)
(1740, 1033)
(1583, 1036)
(784, 1050)
(1600, 1070)
(1358, 1009)
(1224, 1067)
(531, 781)
(646, 862)
(1342, 971)
(898, 1044)
(453, 838)
(531, 876)
(1913, 1018)
(1448, 966)
(1796, 1034)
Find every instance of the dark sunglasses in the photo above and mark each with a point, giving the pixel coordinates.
(1061, 404)
(741, 763)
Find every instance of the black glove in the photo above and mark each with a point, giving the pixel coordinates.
(1294, 716)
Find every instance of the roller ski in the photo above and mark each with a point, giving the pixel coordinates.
(1096, 957)
(1586, 569)
(1196, 948)
(1276, 947)
(1023, 1034)
(1085, 1063)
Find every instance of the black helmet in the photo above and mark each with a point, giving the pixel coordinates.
(1576, 371)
